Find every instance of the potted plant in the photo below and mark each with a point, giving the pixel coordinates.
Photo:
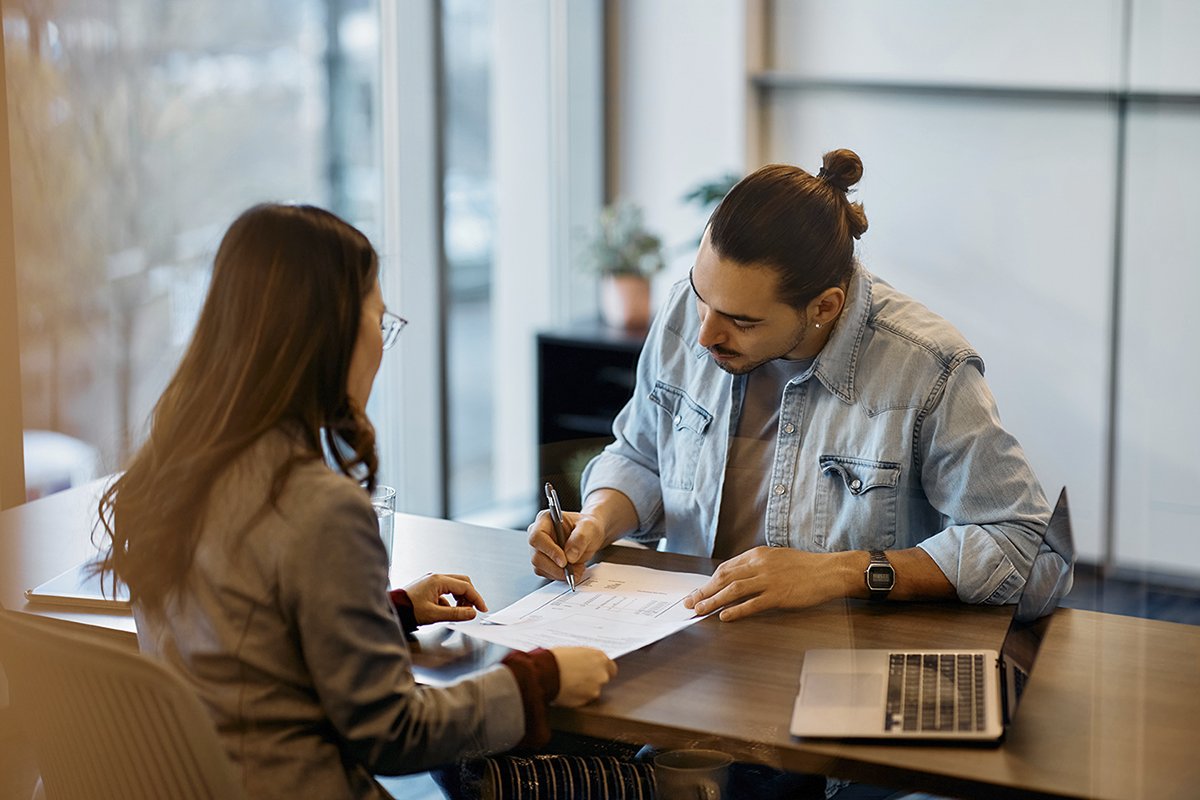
(706, 194)
(626, 256)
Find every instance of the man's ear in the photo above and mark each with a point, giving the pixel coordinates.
(827, 306)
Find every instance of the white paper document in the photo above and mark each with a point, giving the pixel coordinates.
(616, 607)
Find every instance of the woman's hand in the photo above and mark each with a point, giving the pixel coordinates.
(582, 672)
(431, 598)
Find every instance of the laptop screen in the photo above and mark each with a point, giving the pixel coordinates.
(1038, 601)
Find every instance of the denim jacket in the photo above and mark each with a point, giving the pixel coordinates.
(890, 440)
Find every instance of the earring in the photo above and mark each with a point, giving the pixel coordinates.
(818, 325)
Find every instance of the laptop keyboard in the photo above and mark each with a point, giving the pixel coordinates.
(934, 692)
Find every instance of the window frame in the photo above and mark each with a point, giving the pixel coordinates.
(12, 449)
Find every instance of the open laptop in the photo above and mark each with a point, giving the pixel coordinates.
(968, 695)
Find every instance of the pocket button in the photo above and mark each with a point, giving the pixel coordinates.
(855, 485)
(678, 420)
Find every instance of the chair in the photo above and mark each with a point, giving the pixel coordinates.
(104, 722)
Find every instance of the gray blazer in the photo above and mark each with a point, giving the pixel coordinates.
(286, 631)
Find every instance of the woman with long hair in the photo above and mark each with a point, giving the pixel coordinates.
(257, 570)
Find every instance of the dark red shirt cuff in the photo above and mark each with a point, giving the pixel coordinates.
(404, 609)
(537, 677)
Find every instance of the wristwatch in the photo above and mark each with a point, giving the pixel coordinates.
(880, 575)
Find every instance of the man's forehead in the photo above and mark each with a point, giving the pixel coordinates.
(732, 289)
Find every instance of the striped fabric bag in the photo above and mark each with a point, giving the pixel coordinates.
(543, 777)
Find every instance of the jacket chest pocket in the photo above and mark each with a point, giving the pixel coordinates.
(856, 503)
(680, 435)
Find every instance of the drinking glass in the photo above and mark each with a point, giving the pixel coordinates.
(383, 500)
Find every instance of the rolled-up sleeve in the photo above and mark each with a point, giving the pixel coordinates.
(975, 473)
(620, 467)
(630, 464)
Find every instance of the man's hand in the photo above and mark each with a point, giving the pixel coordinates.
(585, 538)
(430, 602)
(607, 515)
(770, 577)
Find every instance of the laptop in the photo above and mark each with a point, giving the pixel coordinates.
(80, 588)
(968, 695)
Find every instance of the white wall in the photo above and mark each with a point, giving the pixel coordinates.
(1049, 43)
(1163, 55)
(407, 399)
(995, 202)
(1158, 431)
(522, 294)
(1158, 508)
(968, 217)
(677, 111)
(995, 209)
(547, 157)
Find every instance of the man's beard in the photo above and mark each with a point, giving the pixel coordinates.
(743, 370)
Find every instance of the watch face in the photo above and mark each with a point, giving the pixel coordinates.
(880, 578)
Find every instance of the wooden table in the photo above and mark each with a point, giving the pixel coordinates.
(1112, 710)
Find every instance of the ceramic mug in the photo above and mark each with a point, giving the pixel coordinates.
(692, 774)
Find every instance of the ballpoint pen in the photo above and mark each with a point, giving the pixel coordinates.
(560, 537)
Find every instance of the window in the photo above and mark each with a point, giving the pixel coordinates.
(138, 131)
(468, 218)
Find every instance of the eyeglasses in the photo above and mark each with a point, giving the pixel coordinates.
(391, 327)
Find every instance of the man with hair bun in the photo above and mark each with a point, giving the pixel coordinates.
(823, 434)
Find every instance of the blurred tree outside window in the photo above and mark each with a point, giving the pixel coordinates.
(139, 130)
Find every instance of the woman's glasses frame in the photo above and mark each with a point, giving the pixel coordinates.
(391, 325)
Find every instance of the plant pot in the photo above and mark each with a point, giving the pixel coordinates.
(625, 301)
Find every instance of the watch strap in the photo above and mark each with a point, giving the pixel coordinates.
(877, 566)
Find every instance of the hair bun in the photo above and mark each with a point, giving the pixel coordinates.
(841, 169)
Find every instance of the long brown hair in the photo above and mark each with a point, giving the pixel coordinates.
(800, 225)
(272, 348)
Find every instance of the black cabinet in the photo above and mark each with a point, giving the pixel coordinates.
(585, 375)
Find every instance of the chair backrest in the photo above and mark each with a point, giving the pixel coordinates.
(105, 722)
